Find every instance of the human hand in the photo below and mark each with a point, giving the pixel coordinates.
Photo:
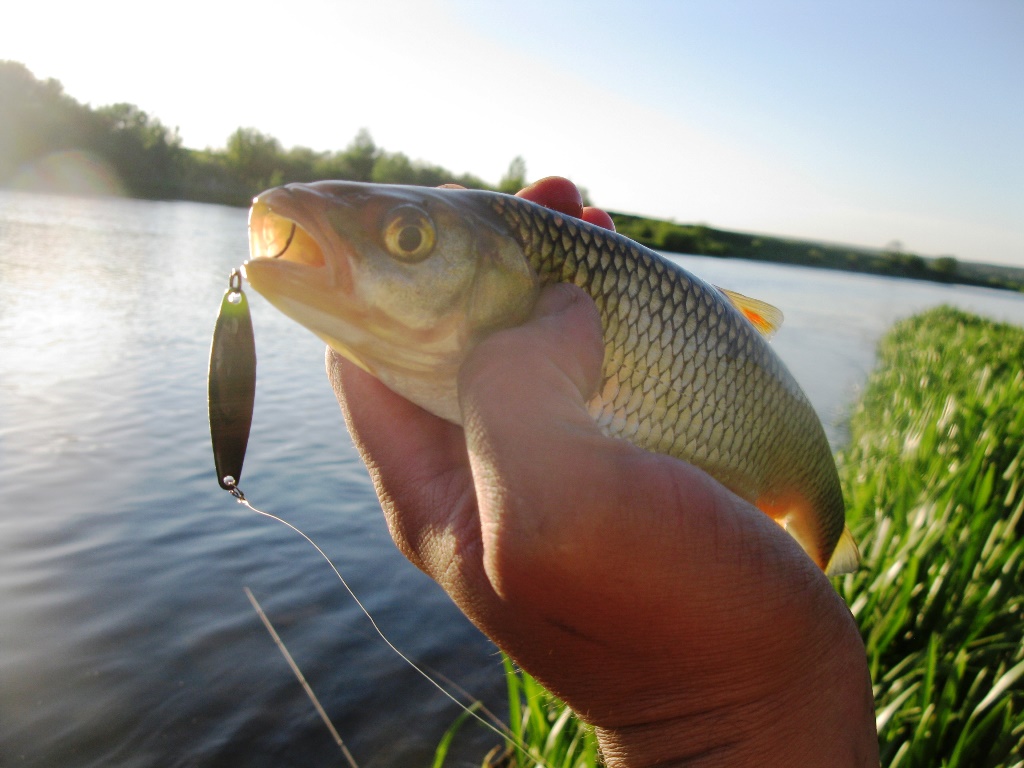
(680, 621)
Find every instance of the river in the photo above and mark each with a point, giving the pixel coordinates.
(125, 636)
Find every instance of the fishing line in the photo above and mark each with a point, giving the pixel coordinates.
(231, 396)
(496, 727)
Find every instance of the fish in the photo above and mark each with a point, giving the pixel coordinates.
(404, 281)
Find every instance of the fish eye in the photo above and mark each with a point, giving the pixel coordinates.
(409, 234)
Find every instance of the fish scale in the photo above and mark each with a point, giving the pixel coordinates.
(766, 444)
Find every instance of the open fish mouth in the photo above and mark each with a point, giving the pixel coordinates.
(295, 261)
(273, 236)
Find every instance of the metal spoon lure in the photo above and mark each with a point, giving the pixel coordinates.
(232, 385)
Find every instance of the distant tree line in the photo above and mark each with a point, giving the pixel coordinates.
(38, 120)
(891, 261)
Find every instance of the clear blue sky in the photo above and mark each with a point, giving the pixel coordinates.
(861, 122)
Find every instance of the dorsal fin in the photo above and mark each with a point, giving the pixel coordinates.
(762, 315)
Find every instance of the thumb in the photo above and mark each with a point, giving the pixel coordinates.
(538, 459)
(542, 371)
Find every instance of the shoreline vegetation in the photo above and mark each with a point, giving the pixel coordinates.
(49, 142)
(934, 483)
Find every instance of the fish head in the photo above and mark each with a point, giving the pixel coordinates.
(402, 281)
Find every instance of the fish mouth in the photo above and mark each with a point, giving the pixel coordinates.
(300, 264)
(274, 236)
(294, 254)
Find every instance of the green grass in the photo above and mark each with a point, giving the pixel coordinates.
(548, 733)
(934, 475)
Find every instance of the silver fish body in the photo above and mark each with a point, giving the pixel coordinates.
(404, 280)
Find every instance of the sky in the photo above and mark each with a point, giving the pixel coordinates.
(861, 123)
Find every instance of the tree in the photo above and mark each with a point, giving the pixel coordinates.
(945, 267)
(146, 154)
(38, 118)
(360, 157)
(515, 177)
(255, 159)
(392, 168)
(300, 164)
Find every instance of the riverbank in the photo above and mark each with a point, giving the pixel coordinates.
(891, 262)
(934, 481)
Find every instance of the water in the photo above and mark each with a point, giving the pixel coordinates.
(125, 635)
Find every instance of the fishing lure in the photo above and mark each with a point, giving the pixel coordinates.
(232, 384)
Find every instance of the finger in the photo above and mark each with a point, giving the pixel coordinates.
(597, 216)
(550, 365)
(534, 447)
(556, 193)
(563, 196)
(417, 462)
